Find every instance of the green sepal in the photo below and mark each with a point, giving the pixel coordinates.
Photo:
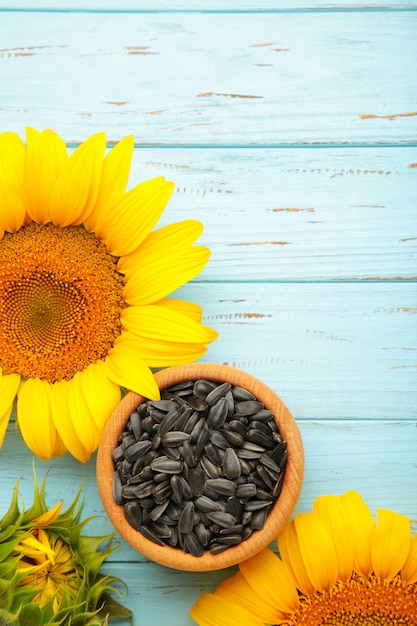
(31, 614)
(6, 547)
(13, 513)
(113, 609)
(8, 619)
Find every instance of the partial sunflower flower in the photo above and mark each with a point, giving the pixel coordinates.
(49, 570)
(336, 567)
(84, 281)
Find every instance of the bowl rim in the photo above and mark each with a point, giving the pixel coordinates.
(280, 512)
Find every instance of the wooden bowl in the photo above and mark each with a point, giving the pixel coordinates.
(278, 515)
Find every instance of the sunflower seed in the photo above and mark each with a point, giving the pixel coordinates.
(118, 454)
(163, 531)
(263, 415)
(236, 439)
(117, 488)
(230, 540)
(231, 464)
(150, 534)
(206, 504)
(222, 486)
(246, 491)
(166, 465)
(174, 438)
(133, 514)
(210, 469)
(224, 520)
(193, 545)
(217, 413)
(169, 422)
(255, 505)
(218, 392)
(248, 407)
(197, 480)
(256, 436)
(202, 388)
(234, 507)
(185, 523)
(217, 548)
(240, 394)
(259, 519)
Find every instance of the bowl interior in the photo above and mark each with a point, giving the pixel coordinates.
(280, 512)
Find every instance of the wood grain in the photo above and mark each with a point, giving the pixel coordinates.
(290, 131)
(172, 78)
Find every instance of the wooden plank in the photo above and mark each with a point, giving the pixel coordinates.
(340, 455)
(205, 6)
(302, 214)
(331, 351)
(169, 77)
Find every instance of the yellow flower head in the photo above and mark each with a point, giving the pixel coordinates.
(84, 281)
(336, 567)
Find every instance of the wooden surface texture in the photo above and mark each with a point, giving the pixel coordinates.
(290, 130)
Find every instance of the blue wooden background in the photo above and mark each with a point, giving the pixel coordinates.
(290, 130)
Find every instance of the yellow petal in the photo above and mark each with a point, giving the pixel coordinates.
(81, 417)
(272, 580)
(155, 322)
(114, 177)
(9, 385)
(212, 610)
(63, 421)
(162, 273)
(236, 589)
(409, 569)
(135, 215)
(125, 367)
(190, 309)
(102, 394)
(75, 192)
(46, 155)
(290, 553)
(391, 543)
(331, 512)
(317, 551)
(49, 516)
(163, 353)
(35, 417)
(12, 162)
(174, 237)
(361, 531)
(35, 549)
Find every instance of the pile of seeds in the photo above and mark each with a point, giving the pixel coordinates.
(201, 468)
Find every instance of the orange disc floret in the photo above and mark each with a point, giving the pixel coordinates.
(61, 300)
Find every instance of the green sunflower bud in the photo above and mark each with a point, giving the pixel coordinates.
(50, 571)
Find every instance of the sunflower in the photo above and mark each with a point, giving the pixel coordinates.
(84, 281)
(337, 567)
(49, 570)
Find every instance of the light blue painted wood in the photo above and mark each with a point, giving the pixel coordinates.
(204, 6)
(375, 457)
(312, 280)
(290, 78)
(321, 214)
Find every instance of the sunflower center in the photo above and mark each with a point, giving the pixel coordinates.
(361, 602)
(60, 301)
